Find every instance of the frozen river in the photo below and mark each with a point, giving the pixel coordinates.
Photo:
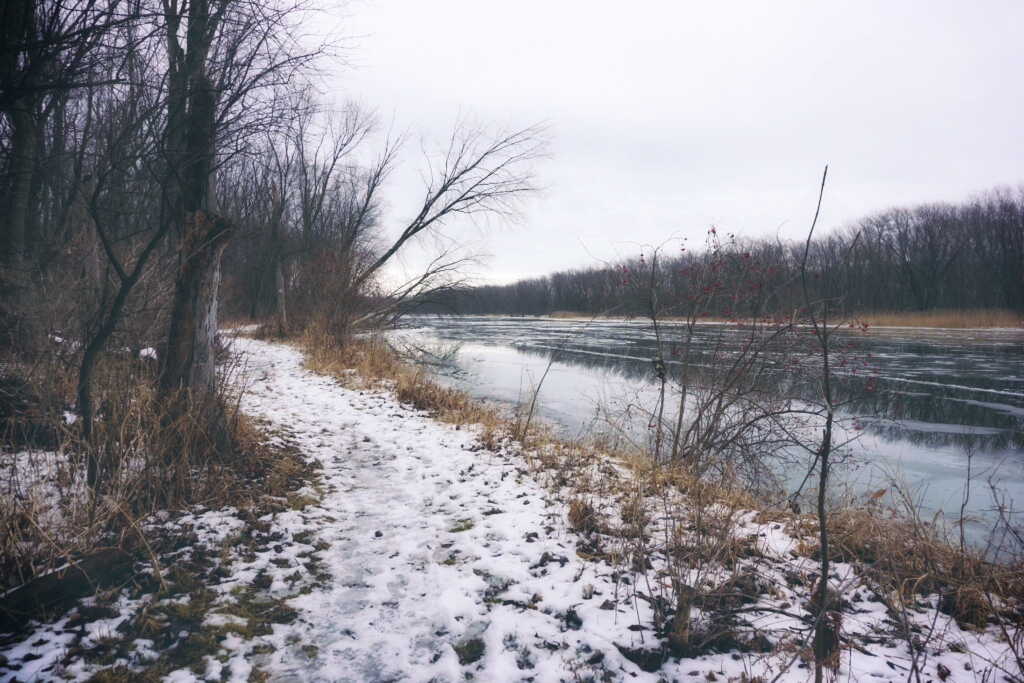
(943, 402)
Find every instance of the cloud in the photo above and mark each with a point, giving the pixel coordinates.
(670, 116)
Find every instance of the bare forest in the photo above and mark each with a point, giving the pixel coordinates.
(164, 164)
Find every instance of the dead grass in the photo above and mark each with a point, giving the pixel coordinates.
(909, 557)
(47, 513)
(259, 480)
(583, 518)
(957, 319)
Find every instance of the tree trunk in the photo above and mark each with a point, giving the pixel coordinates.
(61, 589)
(187, 388)
(18, 193)
(277, 213)
(282, 312)
(17, 32)
(188, 377)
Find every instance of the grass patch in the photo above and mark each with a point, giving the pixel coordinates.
(910, 557)
(257, 479)
(470, 651)
(957, 319)
(46, 514)
(461, 525)
(583, 518)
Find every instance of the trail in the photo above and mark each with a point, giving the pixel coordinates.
(444, 559)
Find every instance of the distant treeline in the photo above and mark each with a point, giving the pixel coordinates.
(932, 256)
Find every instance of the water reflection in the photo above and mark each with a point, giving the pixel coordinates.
(950, 390)
(923, 400)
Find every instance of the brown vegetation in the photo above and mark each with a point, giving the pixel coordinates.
(910, 557)
(954, 319)
(47, 515)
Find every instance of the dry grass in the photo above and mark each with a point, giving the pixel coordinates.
(583, 518)
(953, 319)
(944, 319)
(148, 464)
(908, 556)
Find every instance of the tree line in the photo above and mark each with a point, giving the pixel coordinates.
(928, 257)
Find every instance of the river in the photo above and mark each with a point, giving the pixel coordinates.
(932, 404)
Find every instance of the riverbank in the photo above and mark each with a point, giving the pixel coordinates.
(942, 319)
(424, 550)
(953, 319)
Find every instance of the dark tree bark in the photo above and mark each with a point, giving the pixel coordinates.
(188, 379)
(20, 103)
(17, 202)
(189, 356)
(277, 258)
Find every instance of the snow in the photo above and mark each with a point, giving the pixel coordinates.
(439, 560)
(412, 552)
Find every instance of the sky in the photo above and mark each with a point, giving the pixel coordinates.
(668, 117)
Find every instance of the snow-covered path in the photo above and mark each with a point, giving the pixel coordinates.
(417, 555)
(443, 559)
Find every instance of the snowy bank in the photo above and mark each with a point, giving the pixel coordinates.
(419, 555)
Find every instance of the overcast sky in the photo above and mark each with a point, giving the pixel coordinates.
(670, 116)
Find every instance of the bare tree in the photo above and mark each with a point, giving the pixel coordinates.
(823, 317)
(48, 50)
(323, 172)
(479, 173)
(222, 56)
